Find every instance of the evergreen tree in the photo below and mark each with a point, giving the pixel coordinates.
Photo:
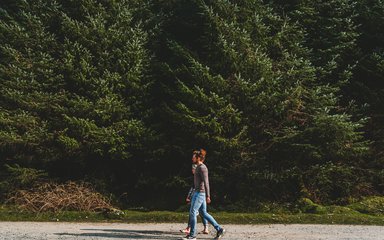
(120, 93)
(331, 35)
(73, 87)
(282, 119)
(367, 86)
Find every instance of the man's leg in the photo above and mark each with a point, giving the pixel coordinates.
(207, 216)
(196, 203)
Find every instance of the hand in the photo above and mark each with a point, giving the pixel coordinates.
(208, 200)
(188, 200)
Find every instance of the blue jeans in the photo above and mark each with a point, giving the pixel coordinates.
(199, 204)
(205, 223)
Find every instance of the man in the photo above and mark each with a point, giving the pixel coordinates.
(188, 199)
(201, 197)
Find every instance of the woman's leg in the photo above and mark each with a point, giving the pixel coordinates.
(205, 223)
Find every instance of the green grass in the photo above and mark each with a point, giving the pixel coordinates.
(369, 211)
(8, 214)
(370, 205)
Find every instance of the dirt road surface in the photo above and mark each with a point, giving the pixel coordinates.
(169, 231)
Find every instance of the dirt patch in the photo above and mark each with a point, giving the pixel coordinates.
(115, 231)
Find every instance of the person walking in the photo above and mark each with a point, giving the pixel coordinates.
(188, 200)
(201, 197)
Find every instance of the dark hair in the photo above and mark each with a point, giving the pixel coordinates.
(200, 153)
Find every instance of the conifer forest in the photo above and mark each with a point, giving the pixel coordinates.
(287, 97)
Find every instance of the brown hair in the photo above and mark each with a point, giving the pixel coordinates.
(200, 153)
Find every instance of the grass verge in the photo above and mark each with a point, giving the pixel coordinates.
(11, 214)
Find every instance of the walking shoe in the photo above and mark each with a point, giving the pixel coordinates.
(188, 238)
(187, 230)
(220, 233)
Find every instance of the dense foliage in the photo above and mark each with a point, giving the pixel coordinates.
(285, 96)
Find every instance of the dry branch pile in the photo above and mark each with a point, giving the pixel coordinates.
(54, 197)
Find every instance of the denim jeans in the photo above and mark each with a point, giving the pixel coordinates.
(205, 223)
(199, 204)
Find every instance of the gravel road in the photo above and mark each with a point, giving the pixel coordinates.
(115, 231)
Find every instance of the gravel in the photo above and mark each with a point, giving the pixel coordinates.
(115, 231)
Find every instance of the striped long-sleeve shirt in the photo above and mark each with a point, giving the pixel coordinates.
(201, 179)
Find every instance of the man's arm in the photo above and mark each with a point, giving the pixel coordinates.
(204, 175)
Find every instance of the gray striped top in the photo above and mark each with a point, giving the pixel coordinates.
(201, 180)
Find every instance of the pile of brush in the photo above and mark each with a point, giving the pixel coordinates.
(70, 196)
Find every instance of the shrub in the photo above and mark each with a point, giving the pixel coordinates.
(370, 205)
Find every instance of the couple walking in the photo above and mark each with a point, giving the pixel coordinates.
(200, 198)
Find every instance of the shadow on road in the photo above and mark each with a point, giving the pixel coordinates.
(126, 234)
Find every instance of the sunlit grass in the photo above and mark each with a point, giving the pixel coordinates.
(9, 214)
(367, 211)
